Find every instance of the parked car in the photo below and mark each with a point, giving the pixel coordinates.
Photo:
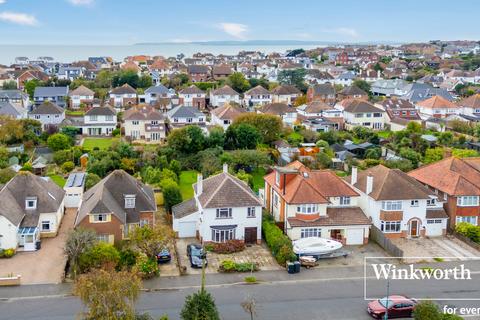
(164, 256)
(398, 307)
(196, 254)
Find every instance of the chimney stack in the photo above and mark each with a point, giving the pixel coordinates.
(369, 185)
(225, 168)
(199, 184)
(354, 175)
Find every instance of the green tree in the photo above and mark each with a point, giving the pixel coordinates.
(58, 141)
(68, 166)
(238, 82)
(176, 167)
(100, 255)
(269, 126)
(411, 155)
(433, 155)
(445, 138)
(79, 241)
(187, 140)
(171, 194)
(6, 174)
(30, 85)
(9, 85)
(216, 137)
(362, 84)
(92, 179)
(150, 240)
(293, 77)
(126, 76)
(324, 160)
(242, 136)
(109, 295)
(104, 79)
(373, 153)
(200, 306)
(426, 310)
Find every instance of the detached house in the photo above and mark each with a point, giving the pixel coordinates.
(397, 204)
(437, 107)
(56, 95)
(144, 123)
(32, 207)
(81, 95)
(224, 116)
(48, 114)
(471, 105)
(362, 113)
(315, 203)
(457, 183)
(155, 93)
(352, 92)
(323, 92)
(283, 110)
(183, 115)
(223, 95)
(285, 94)
(116, 205)
(99, 121)
(223, 208)
(123, 96)
(192, 97)
(198, 73)
(257, 96)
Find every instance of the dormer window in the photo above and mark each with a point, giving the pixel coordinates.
(129, 201)
(31, 203)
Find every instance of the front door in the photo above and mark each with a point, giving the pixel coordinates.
(251, 235)
(414, 228)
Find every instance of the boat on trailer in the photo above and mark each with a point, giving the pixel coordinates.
(315, 246)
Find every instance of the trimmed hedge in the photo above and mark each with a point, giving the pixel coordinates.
(469, 230)
(230, 246)
(277, 241)
(231, 266)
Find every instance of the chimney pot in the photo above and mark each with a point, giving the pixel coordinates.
(199, 184)
(354, 175)
(225, 168)
(369, 186)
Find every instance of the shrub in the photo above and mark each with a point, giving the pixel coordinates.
(100, 255)
(68, 166)
(128, 258)
(230, 246)
(250, 279)
(146, 267)
(7, 253)
(231, 266)
(209, 247)
(469, 230)
(227, 266)
(277, 241)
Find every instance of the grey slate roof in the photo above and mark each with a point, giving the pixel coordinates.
(12, 94)
(225, 90)
(323, 89)
(125, 89)
(14, 193)
(358, 106)
(224, 190)
(51, 92)
(11, 109)
(101, 111)
(184, 112)
(48, 108)
(185, 208)
(107, 196)
(158, 89)
(193, 89)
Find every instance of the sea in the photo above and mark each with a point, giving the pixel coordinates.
(70, 53)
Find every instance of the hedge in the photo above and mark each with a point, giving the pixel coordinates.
(231, 266)
(469, 230)
(277, 241)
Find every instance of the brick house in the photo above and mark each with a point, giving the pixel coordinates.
(192, 97)
(324, 92)
(123, 96)
(115, 205)
(457, 183)
(198, 73)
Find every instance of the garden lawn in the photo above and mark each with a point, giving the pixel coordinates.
(258, 175)
(59, 180)
(384, 134)
(187, 178)
(101, 143)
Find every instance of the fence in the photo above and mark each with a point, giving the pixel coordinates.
(379, 237)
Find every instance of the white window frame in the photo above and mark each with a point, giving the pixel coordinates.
(223, 235)
(103, 238)
(46, 222)
(414, 203)
(129, 201)
(469, 219)
(100, 217)
(310, 233)
(251, 212)
(224, 213)
(144, 222)
(345, 201)
(467, 201)
(309, 208)
(390, 226)
(33, 205)
(392, 205)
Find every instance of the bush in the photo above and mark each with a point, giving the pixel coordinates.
(68, 166)
(100, 255)
(231, 266)
(230, 246)
(7, 253)
(146, 267)
(277, 241)
(469, 230)
(250, 279)
(128, 258)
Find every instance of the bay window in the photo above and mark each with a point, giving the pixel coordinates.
(469, 219)
(467, 201)
(390, 226)
(221, 234)
(391, 205)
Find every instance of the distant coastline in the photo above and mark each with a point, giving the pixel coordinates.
(268, 43)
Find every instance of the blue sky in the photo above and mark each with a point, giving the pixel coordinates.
(127, 22)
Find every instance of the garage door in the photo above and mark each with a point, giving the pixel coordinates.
(186, 229)
(355, 236)
(434, 227)
(73, 200)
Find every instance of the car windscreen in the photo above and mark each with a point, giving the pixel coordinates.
(386, 302)
(196, 251)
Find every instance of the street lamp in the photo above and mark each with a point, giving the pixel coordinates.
(388, 293)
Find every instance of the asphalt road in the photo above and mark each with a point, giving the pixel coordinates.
(315, 299)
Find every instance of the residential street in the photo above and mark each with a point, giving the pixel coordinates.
(308, 295)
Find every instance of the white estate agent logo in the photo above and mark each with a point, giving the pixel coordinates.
(390, 271)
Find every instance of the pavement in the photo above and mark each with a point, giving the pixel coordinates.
(46, 265)
(446, 248)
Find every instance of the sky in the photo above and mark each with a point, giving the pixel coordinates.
(124, 22)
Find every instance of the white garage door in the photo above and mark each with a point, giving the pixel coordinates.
(434, 227)
(72, 200)
(186, 229)
(355, 236)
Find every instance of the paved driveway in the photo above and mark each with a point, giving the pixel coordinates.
(427, 249)
(47, 264)
(255, 253)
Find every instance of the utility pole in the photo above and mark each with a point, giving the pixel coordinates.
(388, 293)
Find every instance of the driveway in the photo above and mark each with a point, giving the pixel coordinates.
(446, 248)
(46, 265)
(258, 254)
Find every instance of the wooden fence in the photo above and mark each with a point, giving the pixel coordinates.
(379, 237)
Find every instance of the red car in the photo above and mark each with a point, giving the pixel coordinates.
(398, 307)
